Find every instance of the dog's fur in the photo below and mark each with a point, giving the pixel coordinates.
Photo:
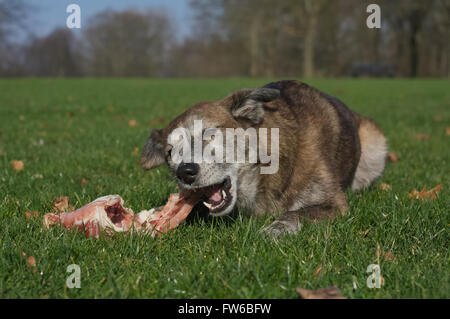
(324, 148)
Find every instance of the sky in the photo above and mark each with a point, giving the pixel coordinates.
(48, 14)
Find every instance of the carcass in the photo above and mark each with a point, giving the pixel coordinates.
(108, 214)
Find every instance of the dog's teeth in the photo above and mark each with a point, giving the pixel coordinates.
(207, 205)
(224, 195)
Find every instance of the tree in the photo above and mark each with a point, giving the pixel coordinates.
(128, 43)
(53, 55)
(12, 16)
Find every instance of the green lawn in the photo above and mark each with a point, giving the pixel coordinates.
(67, 130)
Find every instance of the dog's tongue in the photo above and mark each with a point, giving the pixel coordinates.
(216, 196)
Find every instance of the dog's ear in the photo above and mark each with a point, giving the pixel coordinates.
(153, 152)
(249, 103)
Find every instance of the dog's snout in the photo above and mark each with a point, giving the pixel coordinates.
(187, 172)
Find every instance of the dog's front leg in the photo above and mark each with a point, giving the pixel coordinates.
(290, 222)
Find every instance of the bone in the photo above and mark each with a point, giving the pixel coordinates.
(109, 215)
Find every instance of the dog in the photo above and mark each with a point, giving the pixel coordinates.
(323, 148)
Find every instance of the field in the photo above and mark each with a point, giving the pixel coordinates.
(74, 139)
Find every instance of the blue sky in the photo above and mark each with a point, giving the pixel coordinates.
(48, 14)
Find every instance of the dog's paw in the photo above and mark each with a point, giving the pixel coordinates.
(280, 228)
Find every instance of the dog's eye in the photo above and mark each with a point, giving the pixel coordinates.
(169, 152)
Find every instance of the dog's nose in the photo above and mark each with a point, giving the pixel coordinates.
(187, 172)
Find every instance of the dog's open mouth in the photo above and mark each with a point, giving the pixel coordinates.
(217, 197)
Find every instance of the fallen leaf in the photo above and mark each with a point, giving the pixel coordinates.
(392, 157)
(61, 204)
(363, 233)
(421, 136)
(388, 256)
(31, 261)
(157, 121)
(424, 194)
(325, 293)
(132, 123)
(447, 130)
(135, 151)
(83, 182)
(385, 187)
(17, 166)
(29, 214)
(318, 270)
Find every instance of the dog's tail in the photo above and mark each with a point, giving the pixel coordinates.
(373, 153)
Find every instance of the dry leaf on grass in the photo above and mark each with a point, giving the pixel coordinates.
(132, 123)
(31, 261)
(421, 136)
(83, 182)
(325, 293)
(135, 151)
(318, 270)
(424, 194)
(157, 121)
(28, 215)
(392, 157)
(385, 187)
(61, 204)
(17, 166)
(363, 233)
(388, 256)
(447, 130)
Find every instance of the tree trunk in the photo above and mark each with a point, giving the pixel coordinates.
(413, 54)
(254, 47)
(308, 57)
(312, 9)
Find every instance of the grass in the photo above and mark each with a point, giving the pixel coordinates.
(67, 130)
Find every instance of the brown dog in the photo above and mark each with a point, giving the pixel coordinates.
(322, 148)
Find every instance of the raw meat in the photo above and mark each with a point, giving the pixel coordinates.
(108, 214)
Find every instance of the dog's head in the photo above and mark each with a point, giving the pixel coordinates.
(219, 181)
